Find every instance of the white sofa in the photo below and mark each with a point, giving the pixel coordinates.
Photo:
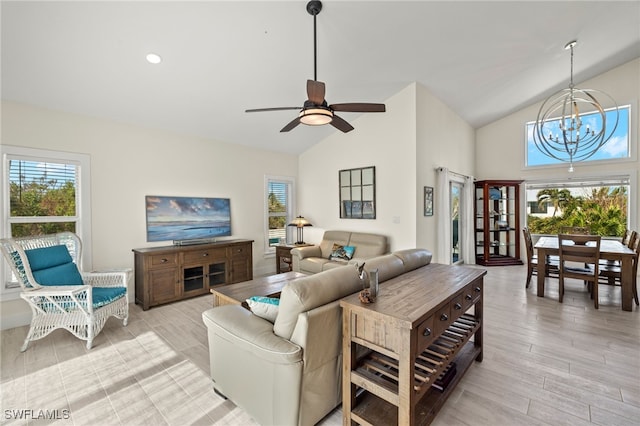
(314, 259)
(289, 372)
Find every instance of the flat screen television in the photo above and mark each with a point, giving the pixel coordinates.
(187, 218)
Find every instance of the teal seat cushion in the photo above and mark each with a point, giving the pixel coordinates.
(53, 266)
(105, 295)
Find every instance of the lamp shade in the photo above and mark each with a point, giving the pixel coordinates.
(315, 116)
(300, 222)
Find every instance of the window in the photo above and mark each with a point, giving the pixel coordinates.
(44, 192)
(616, 148)
(279, 208)
(601, 204)
(537, 207)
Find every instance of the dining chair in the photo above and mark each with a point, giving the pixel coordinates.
(579, 259)
(631, 240)
(551, 268)
(611, 273)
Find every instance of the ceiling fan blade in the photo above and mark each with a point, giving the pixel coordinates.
(358, 107)
(340, 124)
(291, 125)
(272, 109)
(315, 91)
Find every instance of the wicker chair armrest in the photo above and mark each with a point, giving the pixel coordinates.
(57, 290)
(59, 299)
(107, 279)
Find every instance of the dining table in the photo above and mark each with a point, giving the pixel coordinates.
(613, 250)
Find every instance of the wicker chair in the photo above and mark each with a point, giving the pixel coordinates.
(59, 294)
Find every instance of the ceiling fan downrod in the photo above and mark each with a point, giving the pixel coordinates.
(314, 7)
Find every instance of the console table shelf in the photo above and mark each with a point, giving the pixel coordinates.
(170, 273)
(424, 326)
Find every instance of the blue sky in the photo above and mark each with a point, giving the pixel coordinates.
(616, 147)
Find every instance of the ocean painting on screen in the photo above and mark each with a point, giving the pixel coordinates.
(186, 218)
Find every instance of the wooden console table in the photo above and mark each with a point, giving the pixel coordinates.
(170, 273)
(396, 348)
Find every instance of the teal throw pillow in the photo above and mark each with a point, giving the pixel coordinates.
(341, 252)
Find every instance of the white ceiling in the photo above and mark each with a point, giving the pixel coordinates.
(484, 59)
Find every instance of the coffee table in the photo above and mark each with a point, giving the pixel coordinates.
(236, 294)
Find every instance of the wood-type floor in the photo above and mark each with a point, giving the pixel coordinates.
(545, 363)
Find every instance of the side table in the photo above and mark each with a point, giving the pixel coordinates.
(283, 257)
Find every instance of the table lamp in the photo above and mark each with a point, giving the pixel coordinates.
(300, 222)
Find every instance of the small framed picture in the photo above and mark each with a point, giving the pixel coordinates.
(428, 201)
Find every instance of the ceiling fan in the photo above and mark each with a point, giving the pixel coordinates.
(315, 110)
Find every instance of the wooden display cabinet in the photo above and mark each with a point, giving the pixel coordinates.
(497, 222)
(171, 273)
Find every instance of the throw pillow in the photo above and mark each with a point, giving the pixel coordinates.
(341, 252)
(264, 307)
(349, 250)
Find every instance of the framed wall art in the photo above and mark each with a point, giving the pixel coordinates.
(358, 193)
(428, 201)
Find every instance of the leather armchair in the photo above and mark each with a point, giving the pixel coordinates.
(289, 372)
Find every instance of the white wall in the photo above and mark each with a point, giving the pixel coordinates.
(443, 140)
(129, 162)
(500, 145)
(416, 134)
(384, 140)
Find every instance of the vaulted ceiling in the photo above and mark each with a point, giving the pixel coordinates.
(484, 59)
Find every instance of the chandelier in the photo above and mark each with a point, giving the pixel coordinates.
(571, 124)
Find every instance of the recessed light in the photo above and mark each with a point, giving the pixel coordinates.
(153, 58)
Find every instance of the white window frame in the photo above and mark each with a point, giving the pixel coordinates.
(290, 181)
(83, 203)
(630, 175)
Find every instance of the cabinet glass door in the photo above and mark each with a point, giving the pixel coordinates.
(217, 273)
(193, 278)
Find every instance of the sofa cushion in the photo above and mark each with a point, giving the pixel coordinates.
(334, 264)
(333, 237)
(313, 265)
(414, 258)
(309, 292)
(368, 245)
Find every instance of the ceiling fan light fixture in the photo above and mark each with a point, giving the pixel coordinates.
(315, 116)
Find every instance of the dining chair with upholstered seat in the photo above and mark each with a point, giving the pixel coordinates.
(579, 259)
(60, 294)
(629, 239)
(611, 272)
(551, 268)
